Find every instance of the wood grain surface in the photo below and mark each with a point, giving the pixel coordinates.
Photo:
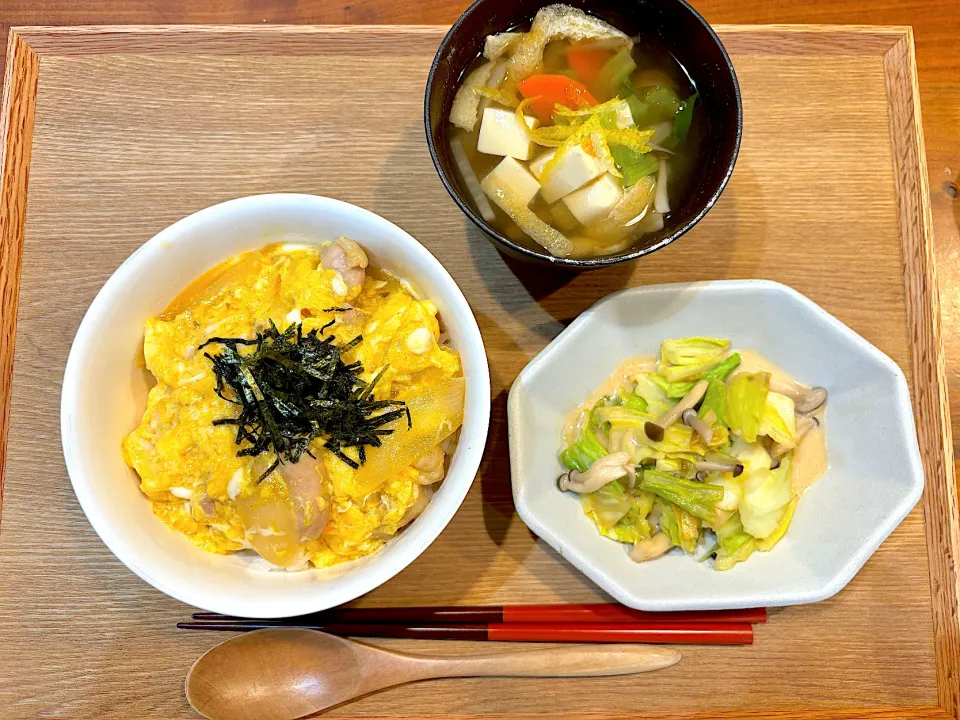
(127, 142)
(16, 132)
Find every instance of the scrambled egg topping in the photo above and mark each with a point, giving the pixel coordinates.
(314, 511)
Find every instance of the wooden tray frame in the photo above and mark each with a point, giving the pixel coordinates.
(895, 45)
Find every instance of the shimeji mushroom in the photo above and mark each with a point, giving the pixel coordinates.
(651, 548)
(605, 470)
(704, 467)
(805, 400)
(805, 424)
(655, 430)
(700, 426)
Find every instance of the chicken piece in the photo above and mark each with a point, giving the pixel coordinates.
(430, 466)
(348, 260)
(310, 494)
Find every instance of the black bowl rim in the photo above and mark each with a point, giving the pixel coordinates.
(581, 263)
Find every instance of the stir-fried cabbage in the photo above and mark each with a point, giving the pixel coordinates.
(773, 538)
(746, 401)
(658, 402)
(697, 498)
(723, 370)
(583, 453)
(619, 514)
(633, 401)
(734, 544)
(674, 390)
(669, 526)
(693, 351)
(715, 401)
(678, 438)
(688, 528)
(630, 528)
(607, 505)
(680, 488)
(766, 494)
(689, 359)
(779, 421)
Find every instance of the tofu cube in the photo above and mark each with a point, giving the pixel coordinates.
(502, 134)
(596, 200)
(514, 176)
(574, 170)
(540, 162)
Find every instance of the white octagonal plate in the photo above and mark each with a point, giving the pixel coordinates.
(874, 477)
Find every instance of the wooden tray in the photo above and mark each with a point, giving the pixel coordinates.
(124, 130)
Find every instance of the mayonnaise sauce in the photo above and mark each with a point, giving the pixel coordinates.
(625, 372)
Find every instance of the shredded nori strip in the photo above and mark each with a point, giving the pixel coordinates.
(294, 388)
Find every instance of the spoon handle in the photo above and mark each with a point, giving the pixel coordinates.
(572, 661)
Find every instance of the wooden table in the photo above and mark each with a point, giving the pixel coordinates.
(935, 22)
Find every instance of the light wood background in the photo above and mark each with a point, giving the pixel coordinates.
(125, 144)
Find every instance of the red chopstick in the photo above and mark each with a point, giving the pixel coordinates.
(698, 633)
(556, 614)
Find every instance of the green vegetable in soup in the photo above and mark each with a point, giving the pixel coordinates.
(682, 121)
(652, 105)
(633, 165)
(615, 71)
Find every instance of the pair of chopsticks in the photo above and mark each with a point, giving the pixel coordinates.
(514, 623)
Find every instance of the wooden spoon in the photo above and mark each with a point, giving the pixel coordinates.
(287, 673)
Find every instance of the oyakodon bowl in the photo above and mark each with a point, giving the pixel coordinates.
(678, 27)
(104, 395)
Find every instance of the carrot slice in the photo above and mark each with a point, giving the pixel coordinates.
(587, 62)
(549, 90)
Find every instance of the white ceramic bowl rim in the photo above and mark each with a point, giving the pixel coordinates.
(372, 570)
(775, 592)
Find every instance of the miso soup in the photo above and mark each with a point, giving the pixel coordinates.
(574, 137)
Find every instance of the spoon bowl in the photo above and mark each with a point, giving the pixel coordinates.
(288, 673)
